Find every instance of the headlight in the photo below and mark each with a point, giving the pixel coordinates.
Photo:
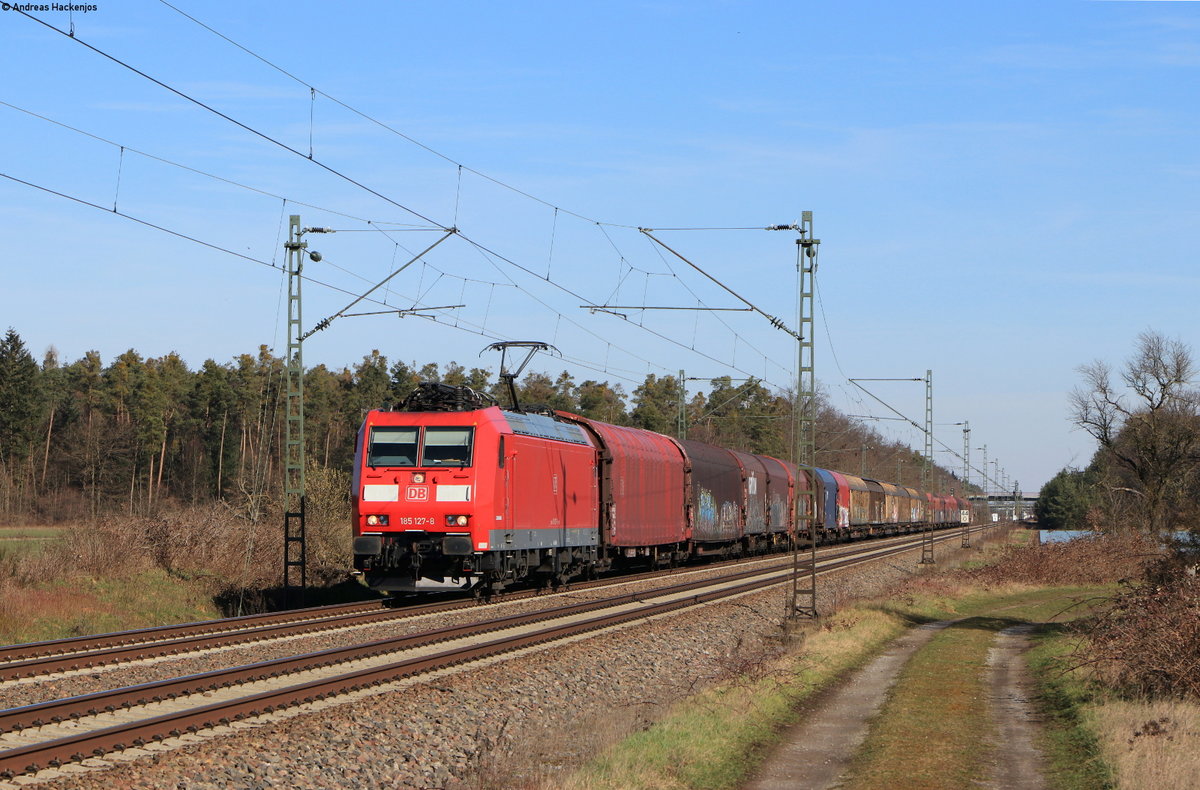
(380, 521)
(457, 521)
(418, 477)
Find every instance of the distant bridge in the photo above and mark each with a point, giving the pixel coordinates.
(1004, 507)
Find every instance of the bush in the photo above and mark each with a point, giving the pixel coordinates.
(1086, 560)
(327, 517)
(1148, 642)
(213, 544)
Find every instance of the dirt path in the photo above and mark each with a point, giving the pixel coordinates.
(1018, 761)
(815, 754)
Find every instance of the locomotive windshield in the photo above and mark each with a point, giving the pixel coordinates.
(447, 447)
(392, 446)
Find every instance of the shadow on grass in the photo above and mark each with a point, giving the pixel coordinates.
(234, 603)
(986, 623)
(989, 623)
(912, 618)
(1057, 629)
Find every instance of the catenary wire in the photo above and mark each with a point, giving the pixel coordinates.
(700, 302)
(332, 170)
(576, 295)
(387, 127)
(319, 163)
(214, 176)
(374, 227)
(616, 373)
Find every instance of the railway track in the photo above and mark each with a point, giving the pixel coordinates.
(107, 650)
(69, 730)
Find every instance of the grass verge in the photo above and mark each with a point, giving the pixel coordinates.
(705, 741)
(1094, 738)
(942, 694)
(715, 740)
(15, 541)
(1072, 751)
(78, 605)
(31, 533)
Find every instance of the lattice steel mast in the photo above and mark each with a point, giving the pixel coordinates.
(927, 469)
(295, 554)
(804, 590)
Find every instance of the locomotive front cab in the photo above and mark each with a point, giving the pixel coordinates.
(418, 521)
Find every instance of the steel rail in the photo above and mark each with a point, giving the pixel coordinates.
(62, 655)
(80, 644)
(33, 757)
(172, 640)
(42, 713)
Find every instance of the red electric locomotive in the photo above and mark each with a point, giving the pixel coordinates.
(447, 498)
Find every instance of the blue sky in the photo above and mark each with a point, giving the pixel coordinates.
(1003, 191)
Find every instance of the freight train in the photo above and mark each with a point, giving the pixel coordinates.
(461, 493)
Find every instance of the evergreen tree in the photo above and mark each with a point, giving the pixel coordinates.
(600, 402)
(404, 379)
(657, 404)
(371, 384)
(56, 406)
(1065, 500)
(327, 430)
(455, 375)
(564, 398)
(20, 399)
(141, 432)
(214, 425)
(536, 390)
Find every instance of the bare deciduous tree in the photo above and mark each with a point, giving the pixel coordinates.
(1149, 429)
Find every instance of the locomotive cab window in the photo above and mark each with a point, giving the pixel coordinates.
(447, 447)
(392, 446)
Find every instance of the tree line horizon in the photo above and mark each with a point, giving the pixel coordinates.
(85, 439)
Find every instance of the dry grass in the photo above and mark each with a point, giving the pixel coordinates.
(73, 583)
(939, 694)
(73, 606)
(1099, 559)
(704, 740)
(1150, 745)
(710, 741)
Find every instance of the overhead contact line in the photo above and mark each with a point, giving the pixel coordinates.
(234, 121)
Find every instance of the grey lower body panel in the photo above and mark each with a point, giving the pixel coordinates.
(511, 539)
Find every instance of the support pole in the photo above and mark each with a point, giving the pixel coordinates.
(966, 485)
(682, 427)
(987, 500)
(927, 557)
(966, 481)
(927, 466)
(804, 587)
(927, 470)
(295, 554)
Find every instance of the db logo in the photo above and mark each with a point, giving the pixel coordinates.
(417, 494)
